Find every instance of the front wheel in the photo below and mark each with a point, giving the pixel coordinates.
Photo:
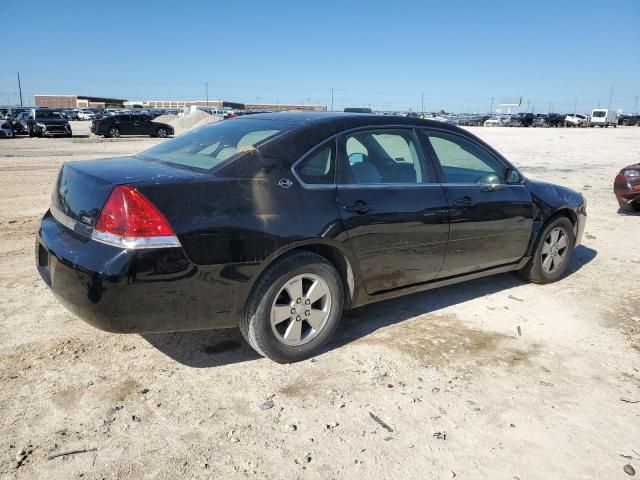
(552, 253)
(161, 132)
(294, 309)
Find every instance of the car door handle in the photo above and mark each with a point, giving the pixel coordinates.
(360, 207)
(464, 202)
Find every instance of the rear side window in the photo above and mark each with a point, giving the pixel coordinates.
(207, 147)
(319, 167)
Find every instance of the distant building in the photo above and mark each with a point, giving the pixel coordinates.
(284, 106)
(217, 104)
(224, 104)
(77, 101)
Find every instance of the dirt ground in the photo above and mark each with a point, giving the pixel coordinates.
(461, 392)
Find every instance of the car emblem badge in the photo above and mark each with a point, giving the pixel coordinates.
(285, 183)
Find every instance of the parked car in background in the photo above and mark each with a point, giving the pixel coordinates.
(629, 120)
(85, 115)
(6, 131)
(46, 121)
(626, 187)
(603, 117)
(576, 120)
(548, 120)
(357, 110)
(213, 229)
(128, 124)
(497, 121)
(21, 123)
(523, 119)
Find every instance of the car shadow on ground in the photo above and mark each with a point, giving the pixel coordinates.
(212, 348)
(629, 213)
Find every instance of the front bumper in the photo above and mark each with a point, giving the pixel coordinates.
(6, 133)
(626, 191)
(131, 291)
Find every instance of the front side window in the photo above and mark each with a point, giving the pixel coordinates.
(319, 167)
(207, 147)
(463, 161)
(383, 156)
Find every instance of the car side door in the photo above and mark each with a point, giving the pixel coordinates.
(125, 124)
(141, 125)
(491, 216)
(393, 209)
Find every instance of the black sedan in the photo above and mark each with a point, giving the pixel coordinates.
(125, 124)
(278, 223)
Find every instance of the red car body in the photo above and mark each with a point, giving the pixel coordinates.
(626, 186)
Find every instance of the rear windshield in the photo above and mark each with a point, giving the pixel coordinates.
(599, 113)
(209, 146)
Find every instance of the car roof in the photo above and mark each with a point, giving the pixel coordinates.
(344, 119)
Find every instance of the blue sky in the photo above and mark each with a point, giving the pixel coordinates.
(380, 53)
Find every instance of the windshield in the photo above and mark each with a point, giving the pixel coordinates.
(209, 146)
(599, 113)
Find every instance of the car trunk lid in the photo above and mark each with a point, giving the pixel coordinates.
(83, 187)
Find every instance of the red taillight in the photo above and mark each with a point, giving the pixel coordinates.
(129, 219)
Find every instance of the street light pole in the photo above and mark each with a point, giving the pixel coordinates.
(20, 88)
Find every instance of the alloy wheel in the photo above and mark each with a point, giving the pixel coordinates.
(554, 250)
(301, 309)
(162, 133)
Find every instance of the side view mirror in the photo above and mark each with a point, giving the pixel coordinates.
(356, 158)
(512, 177)
(30, 117)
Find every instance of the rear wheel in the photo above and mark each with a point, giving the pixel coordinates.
(113, 132)
(552, 253)
(294, 308)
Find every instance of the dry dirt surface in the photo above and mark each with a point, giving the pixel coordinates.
(492, 379)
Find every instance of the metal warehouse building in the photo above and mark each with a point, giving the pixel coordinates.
(222, 104)
(77, 101)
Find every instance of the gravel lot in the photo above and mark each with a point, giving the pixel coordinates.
(461, 392)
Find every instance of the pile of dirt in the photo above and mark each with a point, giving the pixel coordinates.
(188, 121)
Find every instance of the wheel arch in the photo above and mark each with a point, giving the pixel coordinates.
(330, 251)
(564, 211)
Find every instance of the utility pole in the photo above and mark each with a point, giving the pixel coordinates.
(491, 107)
(422, 105)
(550, 105)
(332, 99)
(610, 96)
(20, 89)
(206, 92)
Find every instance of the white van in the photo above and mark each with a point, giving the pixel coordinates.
(603, 117)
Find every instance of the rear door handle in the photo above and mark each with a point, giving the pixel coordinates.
(464, 202)
(360, 207)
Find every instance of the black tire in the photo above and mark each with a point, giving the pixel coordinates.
(255, 323)
(533, 271)
(162, 132)
(113, 132)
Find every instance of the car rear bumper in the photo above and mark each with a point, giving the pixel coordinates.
(131, 291)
